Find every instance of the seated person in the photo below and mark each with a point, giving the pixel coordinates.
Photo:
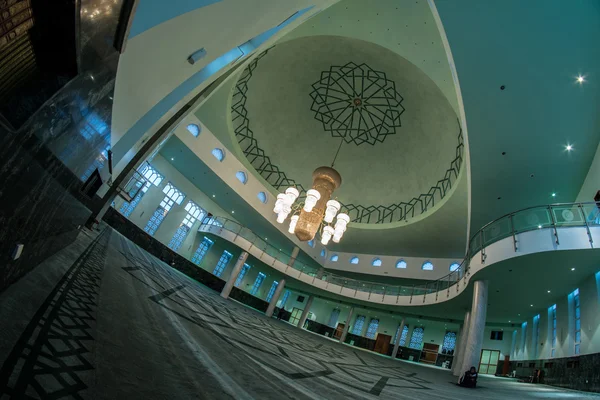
(469, 379)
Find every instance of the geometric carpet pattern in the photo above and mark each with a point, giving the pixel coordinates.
(120, 324)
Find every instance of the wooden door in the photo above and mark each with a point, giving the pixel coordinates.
(382, 343)
(338, 331)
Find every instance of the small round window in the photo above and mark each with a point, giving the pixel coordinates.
(354, 260)
(334, 258)
(427, 266)
(454, 267)
(376, 262)
(194, 129)
(219, 154)
(241, 176)
(262, 196)
(401, 264)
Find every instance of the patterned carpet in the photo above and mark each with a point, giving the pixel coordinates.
(105, 320)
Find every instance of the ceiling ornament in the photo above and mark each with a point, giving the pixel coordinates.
(356, 103)
(276, 177)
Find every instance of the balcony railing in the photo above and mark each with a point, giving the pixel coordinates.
(540, 217)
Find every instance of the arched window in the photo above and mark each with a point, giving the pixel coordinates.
(416, 340)
(334, 258)
(427, 266)
(454, 267)
(401, 264)
(323, 253)
(241, 176)
(372, 328)
(354, 260)
(311, 243)
(262, 196)
(449, 342)
(219, 154)
(194, 129)
(376, 262)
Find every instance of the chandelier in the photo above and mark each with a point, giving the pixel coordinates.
(318, 210)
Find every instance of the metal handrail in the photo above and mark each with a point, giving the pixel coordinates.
(586, 219)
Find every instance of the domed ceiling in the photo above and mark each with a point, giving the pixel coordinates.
(399, 141)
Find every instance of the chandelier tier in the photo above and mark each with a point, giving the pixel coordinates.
(317, 211)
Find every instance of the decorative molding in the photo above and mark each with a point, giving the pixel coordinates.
(371, 214)
(356, 103)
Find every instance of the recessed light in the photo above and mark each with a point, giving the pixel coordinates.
(580, 79)
(214, 195)
(172, 159)
(233, 212)
(573, 269)
(569, 147)
(548, 291)
(531, 305)
(509, 320)
(539, 227)
(519, 315)
(553, 194)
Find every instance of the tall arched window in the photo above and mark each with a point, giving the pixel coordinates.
(449, 342)
(416, 340)
(427, 266)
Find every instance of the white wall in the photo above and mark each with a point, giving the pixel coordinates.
(592, 181)
(155, 65)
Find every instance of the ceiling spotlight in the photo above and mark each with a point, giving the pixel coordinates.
(573, 269)
(569, 147)
(519, 315)
(548, 291)
(580, 79)
(233, 212)
(172, 159)
(531, 305)
(539, 227)
(509, 320)
(214, 195)
(553, 194)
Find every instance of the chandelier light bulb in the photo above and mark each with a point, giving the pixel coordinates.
(333, 207)
(327, 234)
(312, 196)
(293, 222)
(342, 222)
(291, 194)
(337, 236)
(281, 217)
(279, 203)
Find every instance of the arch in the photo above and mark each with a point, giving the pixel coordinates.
(454, 267)
(401, 264)
(376, 262)
(354, 260)
(334, 258)
(427, 266)
(218, 153)
(311, 243)
(194, 129)
(323, 252)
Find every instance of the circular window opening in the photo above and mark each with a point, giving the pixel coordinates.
(219, 154)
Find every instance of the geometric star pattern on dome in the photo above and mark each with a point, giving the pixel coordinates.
(357, 103)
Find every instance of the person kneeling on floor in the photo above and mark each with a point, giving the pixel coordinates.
(469, 379)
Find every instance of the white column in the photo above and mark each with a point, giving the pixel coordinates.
(474, 336)
(273, 303)
(460, 348)
(234, 274)
(305, 312)
(293, 256)
(345, 331)
(397, 344)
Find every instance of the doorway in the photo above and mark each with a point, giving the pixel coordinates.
(489, 361)
(295, 316)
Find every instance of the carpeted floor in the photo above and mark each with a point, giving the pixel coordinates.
(103, 319)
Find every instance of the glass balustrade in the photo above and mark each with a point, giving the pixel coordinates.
(530, 219)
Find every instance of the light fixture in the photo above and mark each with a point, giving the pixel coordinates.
(214, 195)
(531, 305)
(569, 147)
(233, 212)
(539, 227)
(553, 194)
(580, 79)
(317, 212)
(548, 291)
(172, 159)
(573, 269)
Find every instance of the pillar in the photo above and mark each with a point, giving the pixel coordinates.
(347, 326)
(460, 348)
(397, 344)
(474, 337)
(293, 256)
(273, 303)
(234, 274)
(320, 273)
(305, 312)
